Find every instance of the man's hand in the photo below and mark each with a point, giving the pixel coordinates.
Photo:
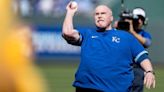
(131, 29)
(149, 80)
(71, 7)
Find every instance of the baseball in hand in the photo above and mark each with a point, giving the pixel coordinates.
(73, 5)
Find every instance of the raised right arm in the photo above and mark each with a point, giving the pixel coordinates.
(68, 31)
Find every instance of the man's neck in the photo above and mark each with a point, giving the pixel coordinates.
(108, 28)
(101, 29)
(104, 29)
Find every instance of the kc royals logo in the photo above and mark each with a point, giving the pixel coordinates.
(115, 39)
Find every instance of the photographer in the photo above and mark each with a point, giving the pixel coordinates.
(133, 23)
(136, 27)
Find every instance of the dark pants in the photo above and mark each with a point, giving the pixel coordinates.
(93, 90)
(138, 83)
(78, 89)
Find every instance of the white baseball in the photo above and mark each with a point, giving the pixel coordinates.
(73, 5)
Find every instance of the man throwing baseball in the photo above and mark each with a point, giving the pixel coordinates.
(106, 54)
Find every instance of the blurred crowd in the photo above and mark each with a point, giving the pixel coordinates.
(54, 8)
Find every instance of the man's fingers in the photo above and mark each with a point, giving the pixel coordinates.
(154, 84)
(150, 84)
(68, 5)
(149, 81)
(145, 81)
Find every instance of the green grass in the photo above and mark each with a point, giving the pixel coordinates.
(60, 77)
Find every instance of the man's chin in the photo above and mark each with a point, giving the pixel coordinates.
(101, 27)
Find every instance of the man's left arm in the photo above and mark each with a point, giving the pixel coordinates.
(141, 57)
(149, 79)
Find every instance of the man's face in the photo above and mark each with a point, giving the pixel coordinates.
(140, 24)
(103, 17)
(137, 24)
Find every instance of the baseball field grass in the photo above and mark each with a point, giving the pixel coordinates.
(59, 77)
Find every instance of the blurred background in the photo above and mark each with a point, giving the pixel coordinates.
(58, 60)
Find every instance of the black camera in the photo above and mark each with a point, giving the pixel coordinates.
(124, 25)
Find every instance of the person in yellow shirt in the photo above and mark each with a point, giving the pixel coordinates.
(18, 72)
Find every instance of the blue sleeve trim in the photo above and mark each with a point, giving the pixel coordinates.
(139, 55)
(141, 58)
